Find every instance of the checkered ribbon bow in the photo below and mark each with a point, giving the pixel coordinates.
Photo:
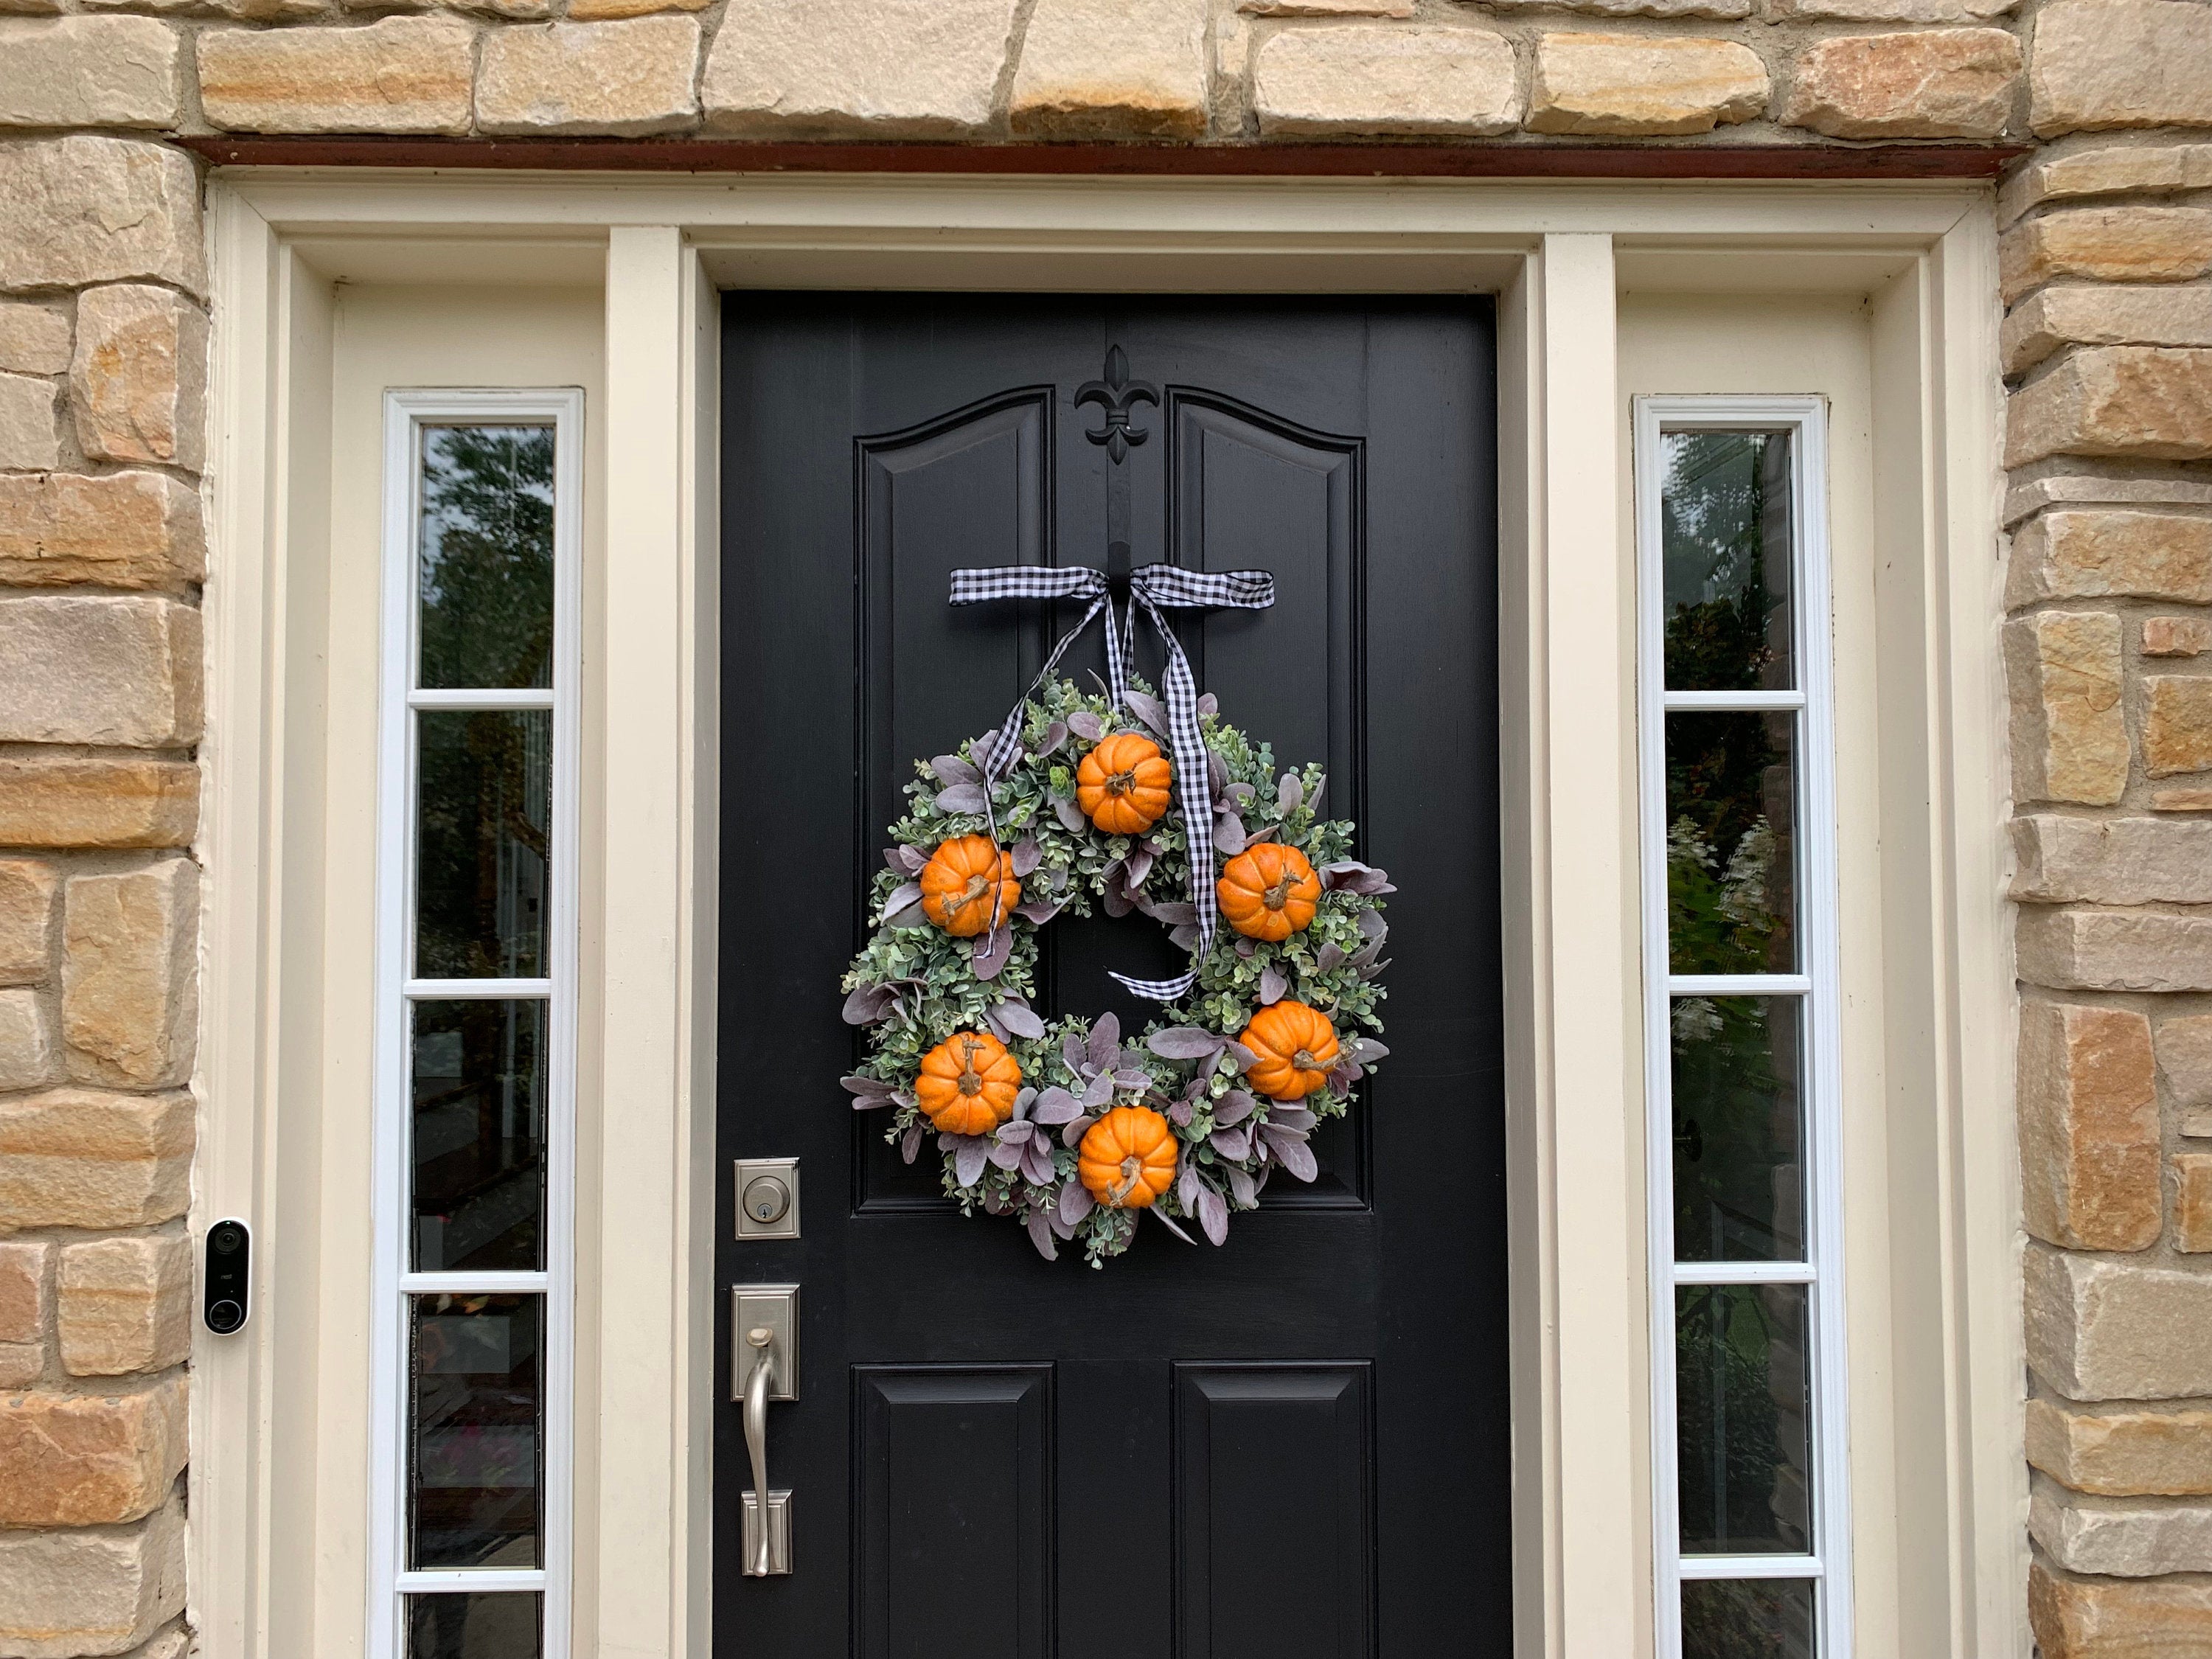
(1153, 589)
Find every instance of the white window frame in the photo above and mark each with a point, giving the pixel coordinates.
(406, 414)
(1805, 419)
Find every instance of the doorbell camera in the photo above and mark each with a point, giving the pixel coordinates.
(228, 1251)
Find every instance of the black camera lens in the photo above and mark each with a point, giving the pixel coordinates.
(225, 1317)
(225, 1239)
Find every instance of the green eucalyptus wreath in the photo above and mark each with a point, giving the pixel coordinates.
(912, 985)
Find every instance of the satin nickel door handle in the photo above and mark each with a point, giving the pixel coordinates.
(764, 1349)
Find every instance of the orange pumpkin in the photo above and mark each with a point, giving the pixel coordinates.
(965, 876)
(1122, 784)
(1296, 1045)
(968, 1083)
(1127, 1158)
(1269, 891)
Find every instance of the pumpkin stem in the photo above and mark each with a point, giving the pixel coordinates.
(1121, 782)
(1132, 1167)
(971, 1080)
(1304, 1062)
(977, 886)
(1275, 897)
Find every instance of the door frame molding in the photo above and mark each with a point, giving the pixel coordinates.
(268, 1532)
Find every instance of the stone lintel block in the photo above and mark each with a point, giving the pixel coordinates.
(1889, 11)
(2176, 636)
(910, 68)
(23, 1298)
(128, 986)
(120, 530)
(2101, 1329)
(1727, 10)
(28, 1055)
(69, 1593)
(2064, 860)
(1385, 78)
(1912, 83)
(2119, 1451)
(88, 72)
(2092, 314)
(28, 888)
(1634, 84)
(1112, 69)
(2146, 402)
(123, 1305)
(98, 803)
(90, 209)
(82, 669)
(34, 337)
(2176, 733)
(2185, 1059)
(2120, 1537)
(2136, 243)
(2088, 1125)
(2103, 64)
(90, 1460)
(75, 1158)
(2114, 950)
(2068, 729)
(2069, 553)
(138, 385)
(2192, 1203)
(399, 74)
(2114, 170)
(28, 435)
(635, 77)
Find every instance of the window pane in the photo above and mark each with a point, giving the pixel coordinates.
(472, 1626)
(1724, 536)
(473, 1442)
(1748, 1618)
(484, 802)
(1742, 1419)
(1731, 792)
(1739, 1174)
(479, 1135)
(485, 569)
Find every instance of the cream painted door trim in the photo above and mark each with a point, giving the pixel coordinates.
(271, 1530)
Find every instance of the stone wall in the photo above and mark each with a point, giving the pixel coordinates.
(2108, 351)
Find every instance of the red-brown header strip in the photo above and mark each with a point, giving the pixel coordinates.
(1517, 160)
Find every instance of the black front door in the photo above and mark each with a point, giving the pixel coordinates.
(1293, 1446)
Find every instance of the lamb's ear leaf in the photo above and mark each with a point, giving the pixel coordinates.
(1229, 833)
(1074, 1202)
(1020, 1018)
(1156, 1215)
(969, 1154)
(1070, 816)
(1185, 1042)
(910, 1143)
(1105, 1038)
(1055, 1105)
(867, 1005)
(1241, 1187)
(1026, 856)
(1086, 726)
(910, 916)
(1290, 792)
(1273, 985)
(1214, 1215)
(1040, 1235)
(951, 768)
(1330, 959)
(1050, 739)
(1208, 704)
(961, 798)
(991, 955)
(1233, 1108)
(1149, 709)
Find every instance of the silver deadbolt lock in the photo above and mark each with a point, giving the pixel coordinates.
(768, 1197)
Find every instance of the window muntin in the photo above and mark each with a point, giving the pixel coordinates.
(476, 1026)
(1742, 1059)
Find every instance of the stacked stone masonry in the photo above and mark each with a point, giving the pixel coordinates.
(2106, 344)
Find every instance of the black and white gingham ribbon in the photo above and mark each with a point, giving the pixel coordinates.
(1153, 588)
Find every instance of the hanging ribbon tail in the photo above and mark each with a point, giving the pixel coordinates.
(1153, 588)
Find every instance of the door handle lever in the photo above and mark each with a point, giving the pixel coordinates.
(764, 1318)
(758, 1555)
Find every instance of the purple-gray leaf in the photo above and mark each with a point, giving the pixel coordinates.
(1100, 1091)
(1149, 709)
(1187, 1185)
(1292, 1117)
(1291, 1152)
(1074, 1202)
(1213, 1215)
(1265, 832)
(1245, 1059)
(1074, 1132)
(906, 893)
(1229, 833)
(1006, 1157)
(1019, 1019)
(1050, 739)
(1290, 793)
(1272, 984)
(896, 859)
(1055, 1105)
(1366, 1050)
(994, 1202)
(981, 746)
(1026, 856)
(1086, 726)
(1176, 913)
(969, 1154)
(1208, 703)
(1351, 876)
(961, 798)
(1036, 1161)
(1313, 801)
(1241, 794)
(869, 1004)
(1117, 901)
(1181, 1114)
(991, 955)
(1185, 1042)
(1365, 956)
(1240, 1185)
(1373, 970)
(1330, 959)
(910, 1142)
(911, 915)
(1070, 816)
(1342, 1077)
(1131, 1077)
(1184, 938)
(1372, 927)
(951, 768)
(1136, 867)
(1217, 774)
(874, 1086)
(1233, 1108)
(1040, 1235)
(1234, 1145)
(1015, 1131)
(1105, 1038)
(1157, 1215)
(1246, 948)
(1039, 911)
(1072, 1051)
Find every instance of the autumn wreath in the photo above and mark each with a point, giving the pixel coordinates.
(1074, 1127)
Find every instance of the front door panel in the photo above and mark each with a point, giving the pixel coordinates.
(1296, 1444)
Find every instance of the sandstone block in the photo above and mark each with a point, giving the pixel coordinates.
(34, 338)
(2122, 1538)
(2131, 244)
(27, 1041)
(2117, 1618)
(86, 208)
(67, 1593)
(2100, 1329)
(1916, 83)
(2176, 636)
(129, 1004)
(2114, 950)
(1722, 8)
(108, 671)
(2111, 860)
(27, 890)
(528, 11)
(2185, 1059)
(2138, 402)
(2118, 1452)
(2181, 800)
(28, 435)
(2070, 732)
(123, 1305)
(86, 1459)
(2177, 735)
(920, 69)
(2086, 315)
(2119, 64)
(69, 1157)
(2119, 169)
(1325, 8)
(121, 530)
(138, 385)
(400, 74)
(1113, 68)
(2087, 555)
(1642, 83)
(23, 1292)
(88, 72)
(21, 1363)
(604, 11)
(2192, 1202)
(1385, 78)
(628, 77)
(2089, 1126)
(98, 803)
(1892, 11)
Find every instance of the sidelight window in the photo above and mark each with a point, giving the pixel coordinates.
(1742, 1045)
(476, 1026)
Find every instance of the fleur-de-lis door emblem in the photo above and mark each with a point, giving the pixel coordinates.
(1117, 394)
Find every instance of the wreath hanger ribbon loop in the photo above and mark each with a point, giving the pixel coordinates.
(1153, 589)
